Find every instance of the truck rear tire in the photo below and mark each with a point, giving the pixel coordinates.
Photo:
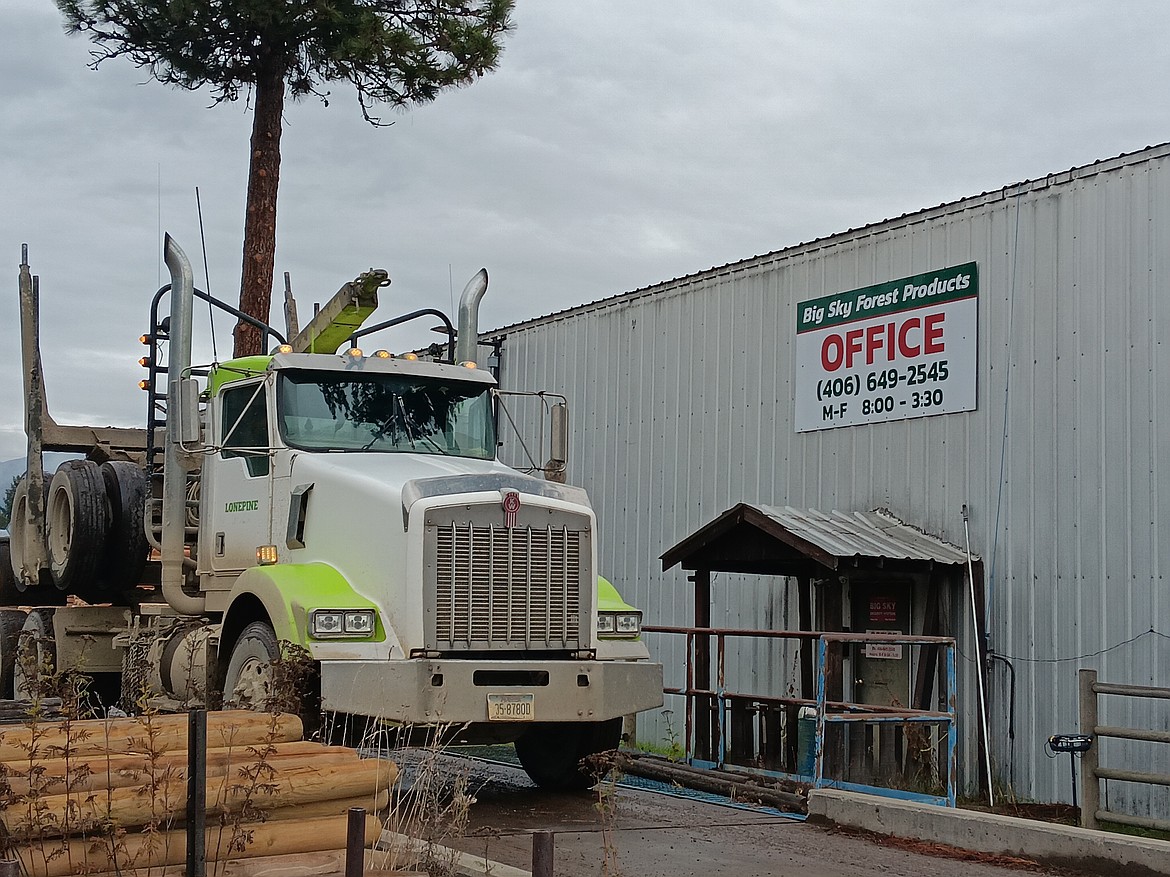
(126, 545)
(44, 594)
(77, 522)
(247, 682)
(551, 754)
(9, 593)
(16, 526)
(11, 621)
(38, 655)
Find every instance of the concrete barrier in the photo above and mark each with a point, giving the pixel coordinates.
(1059, 845)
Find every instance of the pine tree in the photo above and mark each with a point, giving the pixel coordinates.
(6, 503)
(394, 53)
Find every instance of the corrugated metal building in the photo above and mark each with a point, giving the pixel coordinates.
(683, 405)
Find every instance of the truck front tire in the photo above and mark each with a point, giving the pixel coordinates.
(247, 681)
(552, 754)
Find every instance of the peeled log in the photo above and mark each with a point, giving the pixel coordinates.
(316, 864)
(225, 729)
(57, 815)
(170, 847)
(57, 776)
(369, 803)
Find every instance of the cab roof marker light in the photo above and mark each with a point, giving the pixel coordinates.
(383, 354)
(467, 363)
(355, 353)
(284, 348)
(410, 356)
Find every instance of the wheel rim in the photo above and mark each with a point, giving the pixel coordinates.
(60, 528)
(251, 687)
(16, 534)
(31, 658)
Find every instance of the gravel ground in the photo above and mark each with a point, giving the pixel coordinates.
(641, 833)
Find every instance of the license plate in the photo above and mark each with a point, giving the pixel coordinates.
(511, 708)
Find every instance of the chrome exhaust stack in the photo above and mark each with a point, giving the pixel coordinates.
(467, 341)
(177, 462)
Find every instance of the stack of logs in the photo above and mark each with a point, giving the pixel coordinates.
(111, 796)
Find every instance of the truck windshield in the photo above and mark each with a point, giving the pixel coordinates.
(387, 413)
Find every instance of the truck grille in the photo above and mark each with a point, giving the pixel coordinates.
(507, 588)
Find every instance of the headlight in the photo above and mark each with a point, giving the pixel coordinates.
(629, 623)
(619, 624)
(359, 622)
(325, 623)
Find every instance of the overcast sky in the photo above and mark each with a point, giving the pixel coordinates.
(618, 145)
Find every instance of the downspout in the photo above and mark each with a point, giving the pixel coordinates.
(979, 649)
(467, 342)
(176, 462)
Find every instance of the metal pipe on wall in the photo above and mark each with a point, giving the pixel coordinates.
(978, 660)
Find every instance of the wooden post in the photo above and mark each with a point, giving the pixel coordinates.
(833, 606)
(807, 683)
(804, 609)
(1090, 792)
(196, 793)
(542, 854)
(928, 657)
(706, 727)
(742, 749)
(355, 831)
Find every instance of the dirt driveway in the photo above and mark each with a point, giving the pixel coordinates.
(640, 833)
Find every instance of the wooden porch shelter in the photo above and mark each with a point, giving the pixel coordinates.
(852, 572)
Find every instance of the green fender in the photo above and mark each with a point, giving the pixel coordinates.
(290, 591)
(608, 598)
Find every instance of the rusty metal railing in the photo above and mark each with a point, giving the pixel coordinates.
(1091, 771)
(827, 712)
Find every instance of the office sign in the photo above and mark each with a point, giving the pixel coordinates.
(901, 349)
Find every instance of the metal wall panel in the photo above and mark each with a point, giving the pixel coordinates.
(682, 401)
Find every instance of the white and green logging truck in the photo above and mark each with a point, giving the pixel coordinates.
(349, 503)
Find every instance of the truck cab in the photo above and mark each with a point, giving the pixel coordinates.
(351, 505)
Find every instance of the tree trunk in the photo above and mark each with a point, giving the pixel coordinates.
(260, 214)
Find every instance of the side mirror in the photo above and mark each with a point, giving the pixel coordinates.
(554, 470)
(189, 428)
(560, 432)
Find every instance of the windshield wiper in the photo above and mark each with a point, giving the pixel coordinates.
(409, 422)
(414, 432)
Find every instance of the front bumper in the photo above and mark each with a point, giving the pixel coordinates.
(426, 691)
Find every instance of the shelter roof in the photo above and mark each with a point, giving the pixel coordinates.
(773, 540)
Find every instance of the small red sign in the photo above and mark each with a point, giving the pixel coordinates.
(883, 609)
